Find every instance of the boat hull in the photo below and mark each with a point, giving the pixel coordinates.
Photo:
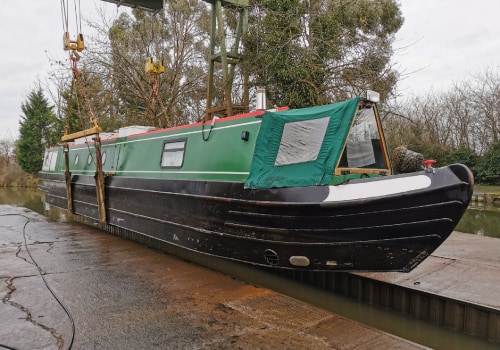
(312, 228)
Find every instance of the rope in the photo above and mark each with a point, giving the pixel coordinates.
(78, 89)
(77, 79)
(77, 85)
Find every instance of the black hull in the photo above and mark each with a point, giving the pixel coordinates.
(268, 227)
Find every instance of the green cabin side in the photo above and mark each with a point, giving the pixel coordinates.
(223, 153)
(324, 145)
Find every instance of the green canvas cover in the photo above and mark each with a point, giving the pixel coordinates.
(300, 147)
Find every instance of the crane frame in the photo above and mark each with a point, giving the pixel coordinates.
(224, 60)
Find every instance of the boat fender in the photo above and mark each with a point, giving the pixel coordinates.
(299, 260)
(406, 161)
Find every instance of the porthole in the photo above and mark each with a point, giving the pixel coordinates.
(76, 159)
(103, 158)
(89, 159)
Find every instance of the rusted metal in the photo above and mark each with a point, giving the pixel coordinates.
(67, 177)
(99, 181)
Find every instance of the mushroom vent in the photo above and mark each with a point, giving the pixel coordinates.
(271, 257)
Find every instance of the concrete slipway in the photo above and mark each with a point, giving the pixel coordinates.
(124, 295)
(457, 287)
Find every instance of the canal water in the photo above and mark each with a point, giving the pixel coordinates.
(480, 221)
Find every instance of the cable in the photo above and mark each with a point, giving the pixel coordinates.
(79, 17)
(209, 132)
(64, 15)
(40, 272)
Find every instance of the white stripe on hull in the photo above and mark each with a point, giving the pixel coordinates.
(377, 188)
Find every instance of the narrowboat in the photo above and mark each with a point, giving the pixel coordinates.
(304, 189)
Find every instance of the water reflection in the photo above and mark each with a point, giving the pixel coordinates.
(481, 220)
(30, 198)
(33, 199)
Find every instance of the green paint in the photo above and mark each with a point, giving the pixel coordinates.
(224, 156)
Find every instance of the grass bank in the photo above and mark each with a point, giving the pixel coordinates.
(486, 188)
(14, 176)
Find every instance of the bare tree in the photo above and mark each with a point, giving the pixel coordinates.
(176, 38)
(7, 151)
(465, 117)
(485, 95)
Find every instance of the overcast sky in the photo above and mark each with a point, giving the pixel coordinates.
(444, 41)
(441, 42)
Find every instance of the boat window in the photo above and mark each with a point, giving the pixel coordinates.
(53, 161)
(76, 159)
(46, 161)
(46, 158)
(103, 158)
(364, 147)
(173, 154)
(301, 141)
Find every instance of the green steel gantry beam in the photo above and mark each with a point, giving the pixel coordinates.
(226, 59)
(148, 5)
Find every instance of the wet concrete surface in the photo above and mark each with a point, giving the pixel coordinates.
(122, 295)
(466, 267)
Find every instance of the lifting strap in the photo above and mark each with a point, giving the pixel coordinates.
(69, 44)
(76, 46)
(154, 70)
